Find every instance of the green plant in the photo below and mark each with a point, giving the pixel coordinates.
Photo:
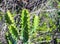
(35, 23)
(9, 18)
(25, 25)
(11, 27)
(10, 39)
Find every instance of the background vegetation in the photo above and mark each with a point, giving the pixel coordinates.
(29, 22)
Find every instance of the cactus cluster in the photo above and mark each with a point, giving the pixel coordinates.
(25, 27)
(28, 29)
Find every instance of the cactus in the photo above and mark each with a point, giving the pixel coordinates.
(9, 17)
(35, 23)
(11, 27)
(13, 31)
(25, 25)
(10, 39)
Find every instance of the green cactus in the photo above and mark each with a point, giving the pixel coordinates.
(9, 17)
(25, 25)
(10, 39)
(13, 30)
(35, 23)
(11, 27)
